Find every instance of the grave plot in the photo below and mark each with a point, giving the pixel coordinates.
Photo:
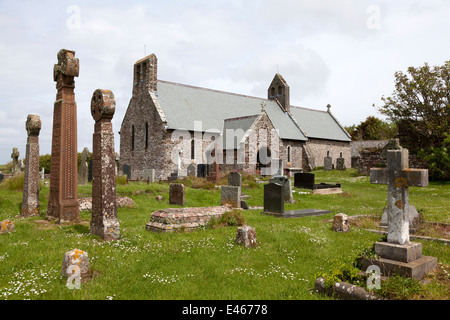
(305, 180)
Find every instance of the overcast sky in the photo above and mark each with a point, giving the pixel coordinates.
(338, 52)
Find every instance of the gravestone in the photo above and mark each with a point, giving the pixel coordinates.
(214, 175)
(176, 194)
(63, 203)
(127, 170)
(273, 198)
(83, 169)
(341, 223)
(304, 180)
(286, 182)
(235, 179)
(328, 162)
(6, 226)
(246, 235)
(73, 261)
(340, 163)
(43, 174)
(149, 175)
(191, 170)
(173, 176)
(201, 170)
(2, 176)
(30, 202)
(104, 222)
(398, 254)
(230, 195)
(15, 156)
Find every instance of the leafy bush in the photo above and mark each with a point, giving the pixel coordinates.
(14, 184)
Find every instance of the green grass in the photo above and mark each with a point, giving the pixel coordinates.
(204, 264)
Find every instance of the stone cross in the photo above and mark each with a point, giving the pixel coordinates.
(43, 174)
(398, 177)
(104, 220)
(83, 169)
(15, 156)
(30, 203)
(63, 202)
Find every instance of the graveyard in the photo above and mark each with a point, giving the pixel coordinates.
(207, 263)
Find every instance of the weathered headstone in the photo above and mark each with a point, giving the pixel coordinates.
(230, 195)
(75, 262)
(63, 204)
(328, 162)
(30, 202)
(286, 182)
(191, 170)
(235, 179)
(398, 254)
(201, 170)
(173, 176)
(83, 169)
(104, 220)
(149, 175)
(214, 175)
(340, 163)
(127, 170)
(43, 174)
(6, 226)
(341, 223)
(246, 235)
(273, 198)
(177, 194)
(304, 180)
(15, 156)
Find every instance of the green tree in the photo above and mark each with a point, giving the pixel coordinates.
(372, 129)
(420, 107)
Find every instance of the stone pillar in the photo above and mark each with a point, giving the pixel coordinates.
(83, 168)
(63, 203)
(104, 220)
(30, 203)
(15, 156)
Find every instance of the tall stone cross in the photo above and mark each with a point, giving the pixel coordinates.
(104, 220)
(63, 202)
(30, 203)
(15, 156)
(398, 177)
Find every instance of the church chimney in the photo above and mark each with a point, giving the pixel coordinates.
(145, 74)
(279, 90)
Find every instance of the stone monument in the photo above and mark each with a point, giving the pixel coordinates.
(340, 163)
(63, 203)
(15, 156)
(83, 168)
(328, 162)
(398, 254)
(30, 203)
(176, 194)
(104, 220)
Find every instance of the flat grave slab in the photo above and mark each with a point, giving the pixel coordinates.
(300, 213)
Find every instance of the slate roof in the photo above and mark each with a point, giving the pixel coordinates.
(184, 104)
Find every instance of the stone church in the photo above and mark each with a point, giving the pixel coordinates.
(172, 127)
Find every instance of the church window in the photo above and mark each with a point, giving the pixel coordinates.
(280, 90)
(289, 154)
(272, 92)
(192, 149)
(146, 135)
(132, 137)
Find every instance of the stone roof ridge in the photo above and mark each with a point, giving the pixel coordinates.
(213, 90)
(241, 118)
(311, 109)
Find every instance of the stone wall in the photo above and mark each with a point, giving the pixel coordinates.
(318, 149)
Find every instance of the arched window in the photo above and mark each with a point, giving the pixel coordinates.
(272, 92)
(132, 137)
(146, 135)
(280, 90)
(192, 149)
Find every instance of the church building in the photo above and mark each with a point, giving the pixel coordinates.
(178, 128)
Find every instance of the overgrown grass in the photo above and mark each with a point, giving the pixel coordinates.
(204, 264)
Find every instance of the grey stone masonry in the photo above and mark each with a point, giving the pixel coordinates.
(286, 182)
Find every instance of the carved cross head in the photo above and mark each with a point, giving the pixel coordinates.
(103, 104)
